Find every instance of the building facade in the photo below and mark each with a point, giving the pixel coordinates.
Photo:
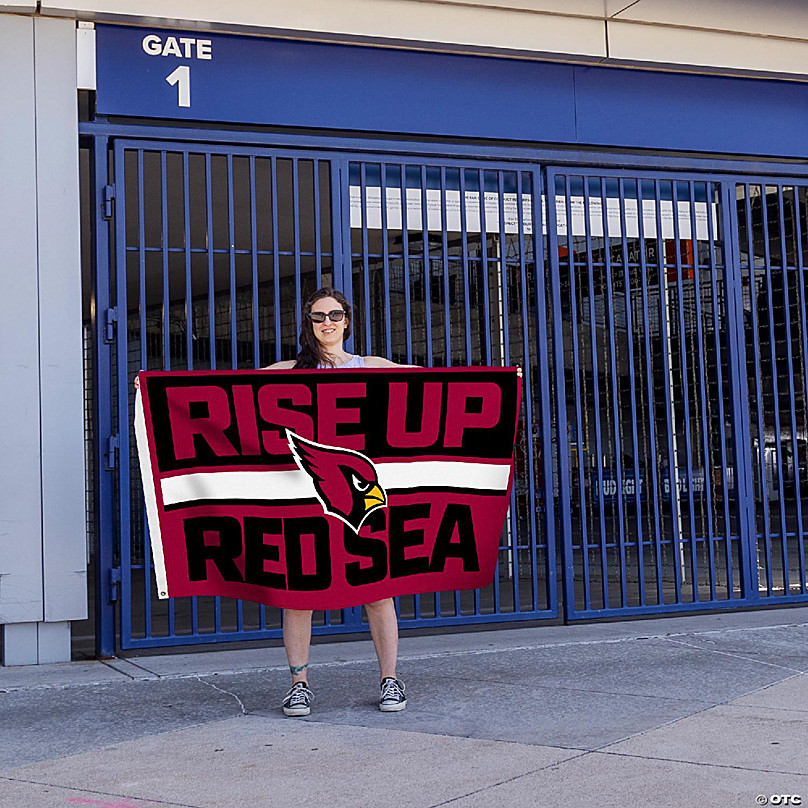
(611, 195)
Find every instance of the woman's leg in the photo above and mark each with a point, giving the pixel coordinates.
(297, 640)
(384, 631)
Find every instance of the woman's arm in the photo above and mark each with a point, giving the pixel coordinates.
(287, 364)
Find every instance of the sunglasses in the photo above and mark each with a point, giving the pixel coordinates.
(319, 316)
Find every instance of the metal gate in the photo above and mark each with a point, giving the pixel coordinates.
(772, 221)
(216, 246)
(653, 517)
(661, 321)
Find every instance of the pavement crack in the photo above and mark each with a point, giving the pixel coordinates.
(699, 763)
(147, 800)
(507, 780)
(735, 656)
(227, 692)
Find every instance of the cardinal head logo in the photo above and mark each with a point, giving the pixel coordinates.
(345, 481)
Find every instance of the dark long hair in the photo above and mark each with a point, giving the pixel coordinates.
(311, 352)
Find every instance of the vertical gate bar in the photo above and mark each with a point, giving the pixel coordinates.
(527, 393)
(318, 247)
(577, 395)
(104, 386)
(711, 236)
(211, 284)
(405, 248)
(604, 558)
(189, 299)
(254, 266)
(484, 271)
(790, 382)
(800, 269)
(764, 492)
(231, 249)
(189, 307)
(464, 246)
(276, 260)
(211, 313)
(560, 403)
(143, 361)
(624, 254)
(677, 254)
(231, 238)
(673, 486)
(365, 268)
(296, 222)
(505, 359)
(543, 379)
(121, 387)
(447, 311)
(775, 382)
(703, 389)
(649, 378)
(164, 262)
(166, 330)
(427, 268)
(388, 343)
(609, 324)
(738, 375)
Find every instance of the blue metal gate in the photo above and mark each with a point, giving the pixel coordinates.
(661, 321)
(216, 246)
(650, 401)
(771, 217)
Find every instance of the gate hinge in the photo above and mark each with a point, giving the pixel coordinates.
(109, 196)
(114, 584)
(112, 452)
(110, 320)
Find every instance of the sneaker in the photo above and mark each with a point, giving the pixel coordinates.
(298, 700)
(392, 698)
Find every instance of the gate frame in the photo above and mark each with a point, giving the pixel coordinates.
(113, 583)
(100, 133)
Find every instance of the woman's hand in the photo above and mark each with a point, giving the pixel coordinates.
(136, 382)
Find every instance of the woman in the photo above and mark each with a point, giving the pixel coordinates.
(325, 325)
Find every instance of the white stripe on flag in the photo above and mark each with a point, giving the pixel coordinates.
(296, 484)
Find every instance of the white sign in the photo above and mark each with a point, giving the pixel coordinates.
(613, 219)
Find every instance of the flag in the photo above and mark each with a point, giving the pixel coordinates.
(324, 489)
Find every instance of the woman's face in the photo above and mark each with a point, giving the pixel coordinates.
(329, 334)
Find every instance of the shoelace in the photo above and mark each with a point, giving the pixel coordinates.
(299, 694)
(391, 691)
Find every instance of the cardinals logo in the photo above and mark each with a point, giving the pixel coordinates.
(345, 481)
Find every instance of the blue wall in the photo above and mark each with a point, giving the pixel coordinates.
(278, 82)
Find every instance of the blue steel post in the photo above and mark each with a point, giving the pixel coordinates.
(543, 381)
(682, 349)
(103, 384)
(652, 470)
(617, 438)
(706, 454)
(562, 437)
(714, 198)
(741, 425)
(621, 191)
(801, 306)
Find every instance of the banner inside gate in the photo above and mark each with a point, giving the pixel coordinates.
(322, 490)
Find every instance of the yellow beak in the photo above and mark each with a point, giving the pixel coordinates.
(374, 497)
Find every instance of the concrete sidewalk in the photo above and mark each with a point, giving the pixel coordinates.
(686, 711)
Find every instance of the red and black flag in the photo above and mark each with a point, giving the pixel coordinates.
(326, 489)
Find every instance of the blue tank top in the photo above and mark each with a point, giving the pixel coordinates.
(355, 361)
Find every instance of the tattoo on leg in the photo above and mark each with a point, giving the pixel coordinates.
(295, 669)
